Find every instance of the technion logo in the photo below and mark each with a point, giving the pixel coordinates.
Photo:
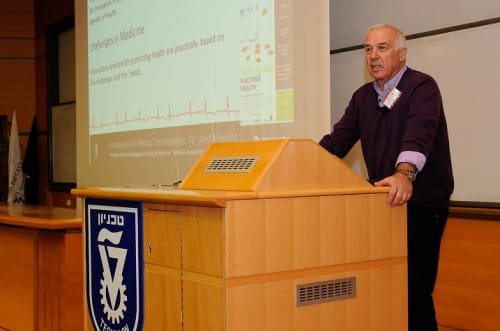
(114, 264)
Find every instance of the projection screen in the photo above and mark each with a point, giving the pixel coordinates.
(157, 81)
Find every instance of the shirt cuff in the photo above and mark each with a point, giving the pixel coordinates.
(415, 158)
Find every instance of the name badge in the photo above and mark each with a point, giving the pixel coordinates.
(392, 97)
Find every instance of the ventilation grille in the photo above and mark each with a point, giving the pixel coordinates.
(231, 164)
(339, 289)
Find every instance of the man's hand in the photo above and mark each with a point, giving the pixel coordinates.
(400, 191)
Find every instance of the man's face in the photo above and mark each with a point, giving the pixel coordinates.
(382, 58)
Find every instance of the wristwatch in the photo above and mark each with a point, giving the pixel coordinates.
(412, 175)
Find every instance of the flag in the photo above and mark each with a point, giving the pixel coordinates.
(16, 180)
(30, 167)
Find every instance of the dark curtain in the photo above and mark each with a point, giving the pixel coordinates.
(30, 167)
(4, 159)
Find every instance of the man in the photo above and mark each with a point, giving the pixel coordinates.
(400, 121)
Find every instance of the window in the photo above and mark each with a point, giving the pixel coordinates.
(61, 104)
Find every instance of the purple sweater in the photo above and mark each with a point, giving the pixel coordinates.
(416, 122)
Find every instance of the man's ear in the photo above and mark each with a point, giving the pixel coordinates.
(402, 54)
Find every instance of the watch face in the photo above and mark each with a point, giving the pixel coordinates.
(412, 176)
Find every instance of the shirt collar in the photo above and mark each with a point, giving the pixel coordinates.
(392, 83)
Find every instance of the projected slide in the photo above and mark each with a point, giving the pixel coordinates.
(161, 64)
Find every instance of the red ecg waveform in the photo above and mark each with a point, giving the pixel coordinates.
(169, 116)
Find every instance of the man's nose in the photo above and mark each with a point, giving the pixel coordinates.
(374, 54)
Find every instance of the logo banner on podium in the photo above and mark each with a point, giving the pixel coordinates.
(114, 264)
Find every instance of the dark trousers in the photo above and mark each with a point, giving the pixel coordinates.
(425, 229)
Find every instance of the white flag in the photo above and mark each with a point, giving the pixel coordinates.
(16, 179)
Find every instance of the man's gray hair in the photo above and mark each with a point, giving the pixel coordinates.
(400, 36)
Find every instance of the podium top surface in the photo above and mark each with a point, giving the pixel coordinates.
(250, 170)
(270, 165)
(211, 198)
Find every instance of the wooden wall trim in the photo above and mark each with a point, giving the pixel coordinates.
(459, 27)
(480, 211)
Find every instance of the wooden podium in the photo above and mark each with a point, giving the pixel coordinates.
(269, 236)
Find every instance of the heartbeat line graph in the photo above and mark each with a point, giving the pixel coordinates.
(202, 113)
